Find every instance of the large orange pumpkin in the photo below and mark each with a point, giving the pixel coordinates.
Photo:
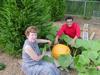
(60, 49)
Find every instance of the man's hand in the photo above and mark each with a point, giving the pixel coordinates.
(98, 67)
(72, 43)
(56, 42)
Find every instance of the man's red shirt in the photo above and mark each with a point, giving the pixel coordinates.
(72, 31)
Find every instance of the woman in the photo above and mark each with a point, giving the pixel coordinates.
(32, 57)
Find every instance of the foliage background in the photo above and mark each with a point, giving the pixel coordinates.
(17, 15)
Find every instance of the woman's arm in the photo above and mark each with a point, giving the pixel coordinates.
(32, 53)
(43, 41)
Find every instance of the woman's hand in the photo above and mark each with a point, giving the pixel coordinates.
(49, 42)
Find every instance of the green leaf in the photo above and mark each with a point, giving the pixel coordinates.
(80, 73)
(97, 61)
(65, 61)
(54, 30)
(44, 48)
(93, 71)
(51, 37)
(83, 60)
(48, 59)
(93, 55)
(67, 39)
(88, 44)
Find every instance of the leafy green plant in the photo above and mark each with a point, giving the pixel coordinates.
(2, 66)
(48, 59)
(52, 34)
(65, 61)
(16, 16)
(87, 17)
(57, 9)
(89, 58)
(85, 61)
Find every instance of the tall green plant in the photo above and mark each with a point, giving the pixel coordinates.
(16, 16)
(57, 9)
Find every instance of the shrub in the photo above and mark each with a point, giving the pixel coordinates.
(16, 16)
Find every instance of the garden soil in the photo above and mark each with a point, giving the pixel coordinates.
(13, 65)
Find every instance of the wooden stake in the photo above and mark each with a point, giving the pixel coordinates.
(85, 32)
(92, 35)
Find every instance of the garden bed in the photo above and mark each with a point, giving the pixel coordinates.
(12, 66)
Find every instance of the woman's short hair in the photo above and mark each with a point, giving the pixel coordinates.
(32, 29)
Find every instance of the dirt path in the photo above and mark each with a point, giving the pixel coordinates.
(12, 66)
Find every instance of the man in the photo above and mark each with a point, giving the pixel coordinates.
(70, 28)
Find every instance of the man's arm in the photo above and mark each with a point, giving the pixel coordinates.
(56, 40)
(72, 43)
(98, 67)
(59, 34)
(76, 36)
